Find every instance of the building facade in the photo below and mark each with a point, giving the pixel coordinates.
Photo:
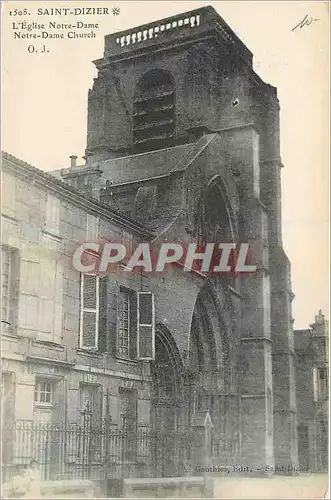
(182, 145)
(66, 349)
(312, 375)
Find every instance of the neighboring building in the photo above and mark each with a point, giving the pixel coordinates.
(183, 144)
(312, 383)
(66, 346)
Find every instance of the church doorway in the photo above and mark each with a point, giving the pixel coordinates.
(167, 407)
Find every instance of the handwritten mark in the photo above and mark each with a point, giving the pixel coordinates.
(306, 21)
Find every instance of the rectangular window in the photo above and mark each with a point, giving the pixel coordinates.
(123, 324)
(128, 409)
(43, 392)
(90, 403)
(52, 223)
(128, 422)
(90, 442)
(146, 326)
(89, 311)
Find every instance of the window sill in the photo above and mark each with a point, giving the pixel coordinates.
(49, 343)
(47, 406)
(49, 361)
(89, 352)
(130, 361)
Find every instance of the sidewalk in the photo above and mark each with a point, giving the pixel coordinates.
(301, 486)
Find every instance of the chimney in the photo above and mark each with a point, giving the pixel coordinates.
(73, 159)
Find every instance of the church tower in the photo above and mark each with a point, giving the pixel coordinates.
(186, 136)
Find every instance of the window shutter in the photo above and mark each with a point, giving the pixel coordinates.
(103, 313)
(145, 326)
(15, 287)
(89, 323)
(133, 326)
(6, 275)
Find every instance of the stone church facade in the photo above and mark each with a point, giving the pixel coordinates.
(188, 136)
(182, 145)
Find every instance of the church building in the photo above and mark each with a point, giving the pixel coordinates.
(185, 136)
(182, 146)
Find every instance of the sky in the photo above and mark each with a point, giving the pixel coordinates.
(44, 100)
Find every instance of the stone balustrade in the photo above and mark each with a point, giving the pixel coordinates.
(204, 21)
(147, 33)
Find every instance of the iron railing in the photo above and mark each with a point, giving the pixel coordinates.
(85, 452)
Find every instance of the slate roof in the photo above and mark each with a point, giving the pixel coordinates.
(152, 164)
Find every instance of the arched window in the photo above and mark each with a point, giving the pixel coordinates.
(154, 111)
(212, 221)
(213, 224)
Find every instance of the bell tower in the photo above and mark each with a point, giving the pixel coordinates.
(159, 84)
(186, 136)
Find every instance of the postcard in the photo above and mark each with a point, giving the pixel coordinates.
(164, 255)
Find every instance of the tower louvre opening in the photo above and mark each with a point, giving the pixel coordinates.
(154, 111)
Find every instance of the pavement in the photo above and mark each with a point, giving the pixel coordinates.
(299, 486)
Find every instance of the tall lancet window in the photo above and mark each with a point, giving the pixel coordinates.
(154, 111)
(212, 218)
